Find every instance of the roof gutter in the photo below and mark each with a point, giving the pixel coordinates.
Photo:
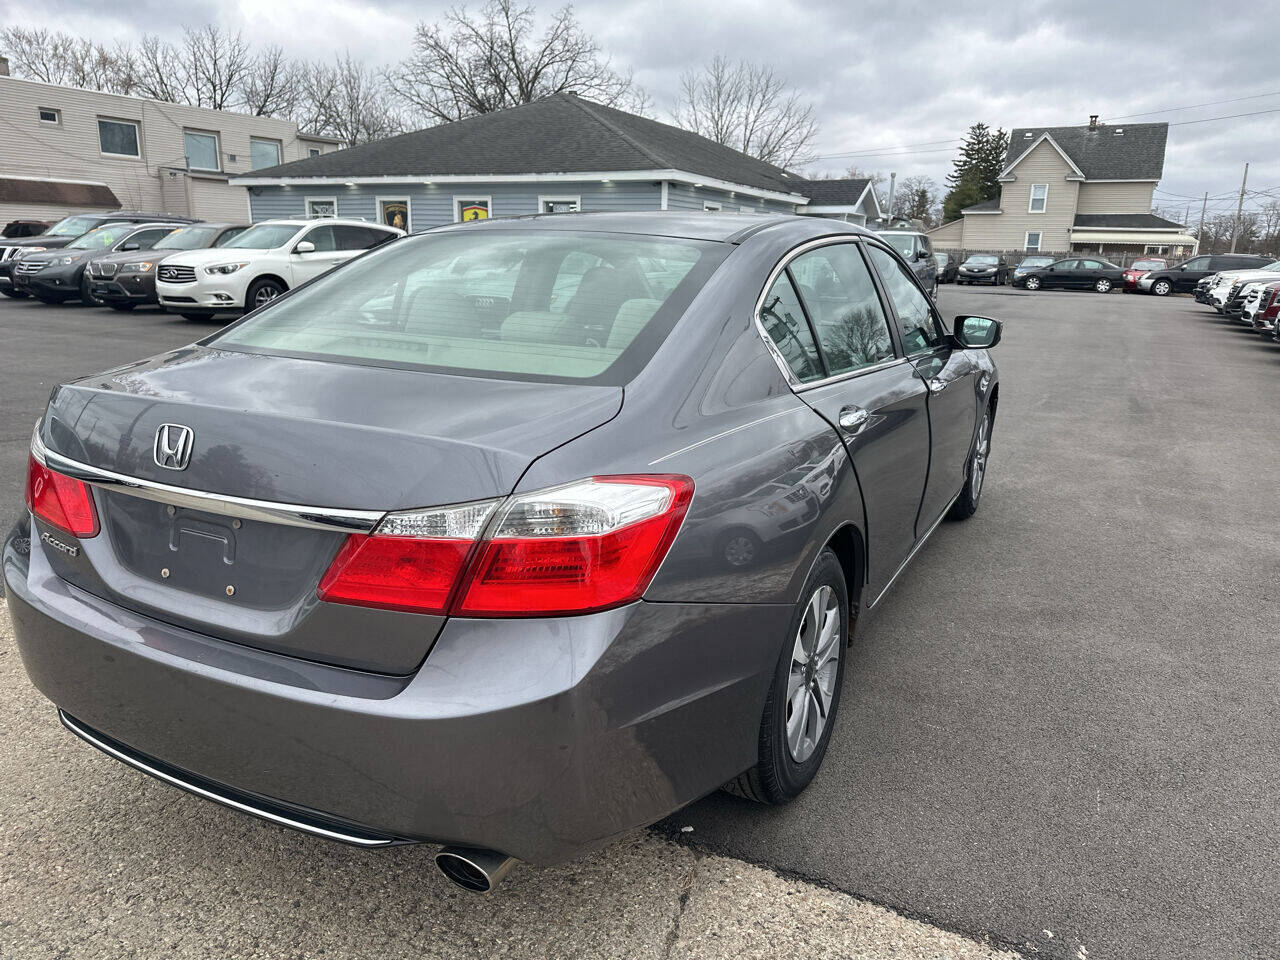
(675, 176)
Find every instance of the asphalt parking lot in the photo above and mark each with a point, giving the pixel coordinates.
(1058, 730)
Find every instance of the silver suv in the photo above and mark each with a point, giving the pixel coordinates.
(916, 249)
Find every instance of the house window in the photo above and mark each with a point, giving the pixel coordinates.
(118, 138)
(202, 150)
(313, 151)
(394, 212)
(1032, 244)
(472, 208)
(50, 115)
(710, 207)
(320, 207)
(1039, 198)
(559, 204)
(263, 153)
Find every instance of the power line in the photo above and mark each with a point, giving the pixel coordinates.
(1210, 103)
(1234, 116)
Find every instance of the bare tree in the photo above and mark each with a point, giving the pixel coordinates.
(216, 63)
(39, 54)
(272, 85)
(159, 71)
(346, 100)
(469, 66)
(917, 198)
(748, 107)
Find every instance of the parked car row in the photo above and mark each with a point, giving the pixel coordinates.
(195, 268)
(1250, 296)
(1163, 280)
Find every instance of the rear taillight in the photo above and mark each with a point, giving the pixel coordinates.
(586, 546)
(60, 500)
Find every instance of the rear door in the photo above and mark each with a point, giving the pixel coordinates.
(951, 376)
(825, 315)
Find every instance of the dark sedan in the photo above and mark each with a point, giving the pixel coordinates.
(58, 275)
(983, 268)
(947, 267)
(124, 280)
(1073, 274)
(513, 535)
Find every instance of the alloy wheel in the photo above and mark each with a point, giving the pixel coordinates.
(1160, 288)
(265, 294)
(811, 685)
(978, 462)
(1103, 285)
(1033, 283)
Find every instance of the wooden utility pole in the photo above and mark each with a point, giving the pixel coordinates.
(1235, 231)
(1200, 233)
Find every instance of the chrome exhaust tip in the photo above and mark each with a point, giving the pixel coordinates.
(473, 868)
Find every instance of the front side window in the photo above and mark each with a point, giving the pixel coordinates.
(263, 153)
(118, 137)
(1033, 240)
(1039, 197)
(783, 320)
(843, 307)
(1197, 263)
(921, 331)
(146, 239)
(515, 304)
(202, 150)
(322, 207)
(324, 238)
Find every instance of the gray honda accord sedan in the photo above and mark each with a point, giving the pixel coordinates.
(510, 536)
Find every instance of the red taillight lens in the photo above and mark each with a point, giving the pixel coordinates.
(586, 546)
(60, 500)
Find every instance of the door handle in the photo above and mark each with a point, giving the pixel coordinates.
(852, 420)
(937, 384)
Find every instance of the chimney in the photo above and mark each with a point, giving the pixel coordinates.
(1093, 120)
(4, 66)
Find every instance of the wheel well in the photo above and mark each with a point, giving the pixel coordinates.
(269, 276)
(847, 545)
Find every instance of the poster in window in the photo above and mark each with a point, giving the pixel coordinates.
(395, 213)
(473, 210)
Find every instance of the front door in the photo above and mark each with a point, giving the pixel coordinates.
(827, 319)
(951, 376)
(1059, 274)
(1190, 273)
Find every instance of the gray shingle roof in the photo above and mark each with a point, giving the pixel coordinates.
(1139, 221)
(983, 207)
(842, 191)
(562, 133)
(1102, 152)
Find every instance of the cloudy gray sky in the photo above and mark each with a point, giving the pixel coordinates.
(880, 74)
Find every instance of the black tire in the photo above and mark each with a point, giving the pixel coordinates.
(1103, 285)
(123, 307)
(1162, 288)
(261, 292)
(975, 472)
(86, 294)
(8, 291)
(778, 776)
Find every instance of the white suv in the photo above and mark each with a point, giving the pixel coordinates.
(261, 263)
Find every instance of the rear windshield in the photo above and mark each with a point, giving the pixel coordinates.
(265, 236)
(103, 237)
(556, 306)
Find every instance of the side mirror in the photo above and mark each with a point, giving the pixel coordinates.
(304, 246)
(131, 245)
(977, 333)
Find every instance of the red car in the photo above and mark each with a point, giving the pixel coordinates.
(1268, 313)
(1138, 268)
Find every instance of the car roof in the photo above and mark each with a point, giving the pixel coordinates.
(684, 224)
(310, 221)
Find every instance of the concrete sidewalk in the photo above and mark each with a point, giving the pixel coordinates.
(100, 861)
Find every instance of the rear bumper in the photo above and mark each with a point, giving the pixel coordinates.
(536, 738)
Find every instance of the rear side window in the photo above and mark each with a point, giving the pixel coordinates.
(843, 306)
(783, 320)
(919, 325)
(517, 304)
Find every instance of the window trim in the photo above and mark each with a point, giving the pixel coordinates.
(544, 198)
(311, 216)
(57, 117)
(217, 149)
(1026, 241)
(1031, 199)
(137, 135)
(392, 198)
(275, 143)
(783, 265)
(460, 198)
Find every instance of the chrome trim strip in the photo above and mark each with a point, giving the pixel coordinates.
(290, 514)
(914, 550)
(234, 804)
(882, 365)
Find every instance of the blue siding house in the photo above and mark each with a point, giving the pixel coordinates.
(559, 154)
